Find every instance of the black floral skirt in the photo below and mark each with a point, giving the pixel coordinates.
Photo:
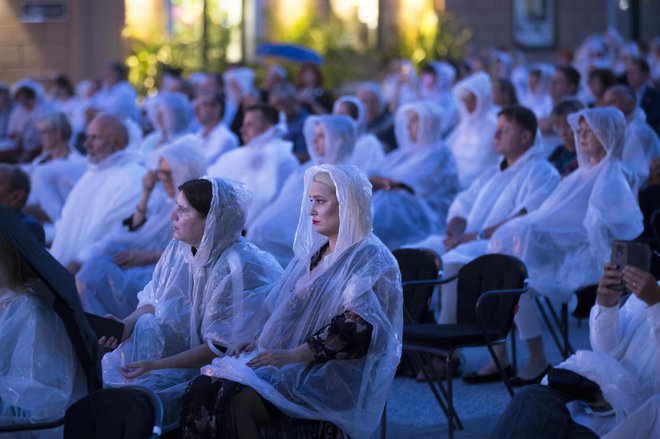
(217, 408)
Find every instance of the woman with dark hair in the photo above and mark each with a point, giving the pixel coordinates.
(504, 93)
(311, 94)
(206, 280)
(599, 81)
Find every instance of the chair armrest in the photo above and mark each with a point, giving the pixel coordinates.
(493, 293)
(428, 281)
(12, 428)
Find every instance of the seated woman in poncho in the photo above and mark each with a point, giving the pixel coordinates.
(330, 340)
(208, 280)
(122, 264)
(330, 140)
(566, 241)
(415, 184)
(40, 375)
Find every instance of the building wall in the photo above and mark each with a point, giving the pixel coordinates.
(491, 21)
(79, 46)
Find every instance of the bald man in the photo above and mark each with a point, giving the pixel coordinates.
(641, 142)
(105, 195)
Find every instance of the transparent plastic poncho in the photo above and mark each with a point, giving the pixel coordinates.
(368, 151)
(427, 166)
(567, 240)
(274, 230)
(40, 375)
(362, 276)
(105, 287)
(200, 298)
(472, 140)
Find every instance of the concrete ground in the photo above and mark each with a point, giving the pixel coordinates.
(413, 413)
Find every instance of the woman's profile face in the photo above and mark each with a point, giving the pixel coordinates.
(324, 210)
(187, 222)
(165, 177)
(319, 140)
(469, 100)
(412, 125)
(589, 143)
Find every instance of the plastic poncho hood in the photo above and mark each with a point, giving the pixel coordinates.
(339, 138)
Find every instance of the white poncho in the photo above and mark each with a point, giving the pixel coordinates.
(106, 288)
(565, 242)
(274, 230)
(263, 165)
(472, 141)
(105, 195)
(53, 181)
(39, 373)
(499, 195)
(428, 168)
(641, 146)
(197, 299)
(439, 93)
(361, 276)
(368, 151)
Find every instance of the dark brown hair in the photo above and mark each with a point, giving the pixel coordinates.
(198, 193)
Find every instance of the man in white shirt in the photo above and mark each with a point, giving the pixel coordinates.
(105, 195)
(218, 139)
(519, 184)
(263, 163)
(624, 363)
(641, 144)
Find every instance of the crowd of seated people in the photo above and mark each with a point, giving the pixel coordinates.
(243, 232)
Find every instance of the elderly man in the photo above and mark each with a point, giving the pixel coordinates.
(642, 144)
(621, 374)
(263, 163)
(379, 122)
(218, 139)
(14, 192)
(105, 195)
(284, 98)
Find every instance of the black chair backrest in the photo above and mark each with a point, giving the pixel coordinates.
(417, 264)
(488, 273)
(126, 413)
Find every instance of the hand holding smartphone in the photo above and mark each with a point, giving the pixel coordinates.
(631, 253)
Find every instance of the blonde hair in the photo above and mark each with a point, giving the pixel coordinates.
(324, 178)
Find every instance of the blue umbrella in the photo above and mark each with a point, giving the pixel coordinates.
(290, 52)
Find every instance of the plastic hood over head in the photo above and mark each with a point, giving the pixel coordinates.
(429, 125)
(361, 121)
(354, 197)
(186, 158)
(609, 127)
(339, 133)
(177, 112)
(480, 86)
(225, 220)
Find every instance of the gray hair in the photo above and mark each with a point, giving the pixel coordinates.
(60, 122)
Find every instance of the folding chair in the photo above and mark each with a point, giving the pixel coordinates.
(488, 291)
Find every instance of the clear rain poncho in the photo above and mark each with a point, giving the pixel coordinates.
(105, 287)
(428, 168)
(362, 276)
(566, 241)
(368, 150)
(275, 229)
(472, 140)
(439, 93)
(641, 146)
(172, 113)
(200, 298)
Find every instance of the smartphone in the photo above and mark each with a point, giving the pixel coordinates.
(105, 327)
(636, 254)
